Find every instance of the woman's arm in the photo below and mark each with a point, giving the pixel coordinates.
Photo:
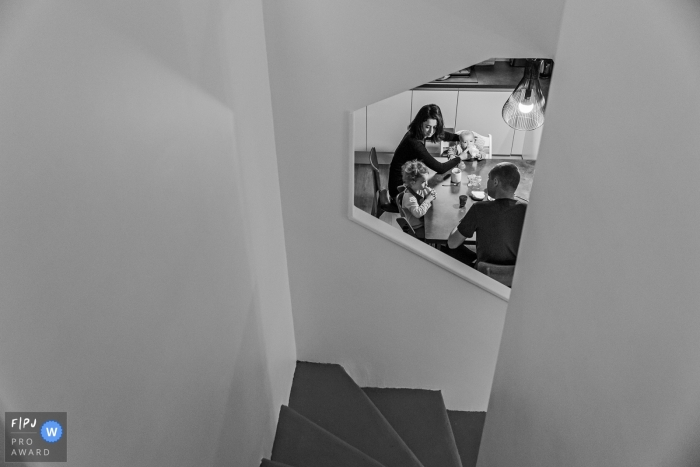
(422, 154)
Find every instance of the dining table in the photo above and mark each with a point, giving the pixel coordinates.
(445, 213)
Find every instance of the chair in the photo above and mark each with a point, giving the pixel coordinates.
(501, 273)
(405, 226)
(403, 223)
(381, 201)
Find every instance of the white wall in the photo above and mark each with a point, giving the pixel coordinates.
(389, 316)
(143, 280)
(599, 358)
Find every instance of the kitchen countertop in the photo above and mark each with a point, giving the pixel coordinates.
(499, 76)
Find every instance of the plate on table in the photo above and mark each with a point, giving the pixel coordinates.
(478, 195)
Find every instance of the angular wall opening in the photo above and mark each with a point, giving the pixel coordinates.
(470, 99)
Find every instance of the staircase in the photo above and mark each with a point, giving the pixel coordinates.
(332, 422)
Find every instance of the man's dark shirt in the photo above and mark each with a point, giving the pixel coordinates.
(498, 225)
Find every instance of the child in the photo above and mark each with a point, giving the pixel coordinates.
(418, 197)
(467, 142)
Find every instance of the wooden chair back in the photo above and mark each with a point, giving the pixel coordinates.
(374, 162)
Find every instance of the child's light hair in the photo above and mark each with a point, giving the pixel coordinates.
(412, 170)
(467, 133)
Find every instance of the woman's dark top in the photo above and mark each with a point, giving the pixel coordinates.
(411, 148)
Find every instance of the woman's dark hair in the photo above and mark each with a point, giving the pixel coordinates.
(426, 112)
(412, 170)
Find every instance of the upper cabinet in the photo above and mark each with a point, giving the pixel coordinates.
(446, 100)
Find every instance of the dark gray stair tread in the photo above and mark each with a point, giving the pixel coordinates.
(326, 395)
(301, 442)
(419, 416)
(269, 463)
(467, 428)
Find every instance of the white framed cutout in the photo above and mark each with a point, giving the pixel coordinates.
(406, 241)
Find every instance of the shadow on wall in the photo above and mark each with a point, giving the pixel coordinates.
(250, 397)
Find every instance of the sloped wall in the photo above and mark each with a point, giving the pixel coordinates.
(143, 278)
(599, 356)
(390, 317)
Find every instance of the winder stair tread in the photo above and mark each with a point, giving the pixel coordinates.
(327, 396)
(419, 416)
(269, 463)
(300, 442)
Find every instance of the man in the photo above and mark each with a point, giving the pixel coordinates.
(498, 224)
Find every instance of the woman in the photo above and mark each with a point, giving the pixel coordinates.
(427, 124)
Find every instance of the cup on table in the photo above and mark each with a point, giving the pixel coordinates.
(463, 200)
(456, 176)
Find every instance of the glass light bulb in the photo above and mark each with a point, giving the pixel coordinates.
(526, 107)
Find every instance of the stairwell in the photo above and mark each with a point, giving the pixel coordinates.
(331, 421)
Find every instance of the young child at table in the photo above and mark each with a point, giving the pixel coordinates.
(418, 196)
(467, 142)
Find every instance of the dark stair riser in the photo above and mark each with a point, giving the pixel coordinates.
(467, 428)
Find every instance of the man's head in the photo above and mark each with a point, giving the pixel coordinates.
(503, 180)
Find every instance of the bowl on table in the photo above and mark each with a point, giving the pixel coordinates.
(478, 195)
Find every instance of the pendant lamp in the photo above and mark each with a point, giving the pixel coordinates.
(524, 109)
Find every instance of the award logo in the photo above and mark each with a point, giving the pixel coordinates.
(36, 437)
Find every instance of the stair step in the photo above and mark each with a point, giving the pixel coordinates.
(301, 442)
(269, 463)
(419, 416)
(467, 428)
(326, 395)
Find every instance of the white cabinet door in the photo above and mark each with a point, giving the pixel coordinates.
(531, 145)
(446, 100)
(480, 111)
(360, 120)
(387, 122)
(518, 141)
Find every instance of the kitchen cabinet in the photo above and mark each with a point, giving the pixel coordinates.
(531, 145)
(360, 124)
(480, 111)
(446, 100)
(387, 122)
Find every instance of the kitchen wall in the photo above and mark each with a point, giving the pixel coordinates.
(385, 122)
(599, 357)
(143, 276)
(389, 316)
